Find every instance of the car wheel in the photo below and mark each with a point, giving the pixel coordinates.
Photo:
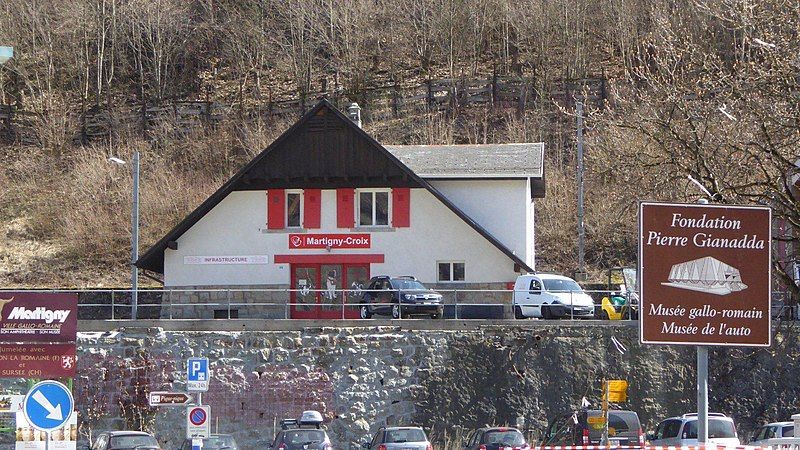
(396, 312)
(364, 312)
(546, 313)
(518, 312)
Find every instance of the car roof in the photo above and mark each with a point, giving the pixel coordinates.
(213, 435)
(404, 428)
(499, 429)
(689, 418)
(128, 433)
(777, 424)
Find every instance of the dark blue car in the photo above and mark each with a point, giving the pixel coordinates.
(399, 297)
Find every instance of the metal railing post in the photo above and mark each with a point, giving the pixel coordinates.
(343, 300)
(571, 307)
(113, 306)
(455, 301)
(228, 297)
(286, 309)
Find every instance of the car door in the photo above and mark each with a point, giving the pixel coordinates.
(668, 433)
(101, 442)
(534, 296)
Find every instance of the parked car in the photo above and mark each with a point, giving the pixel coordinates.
(679, 431)
(399, 438)
(125, 440)
(304, 433)
(550, 297)
(214, 442)
(495, 438)
(771, 433)
(399, 297)
(585, 427)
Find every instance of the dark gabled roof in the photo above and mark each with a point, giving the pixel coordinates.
(315, 130)
(472, 160)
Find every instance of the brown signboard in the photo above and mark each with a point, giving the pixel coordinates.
(38, 317)
(37, 360)
(705, 274)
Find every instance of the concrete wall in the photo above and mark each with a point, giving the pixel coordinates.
(464, 376)
(236, 227)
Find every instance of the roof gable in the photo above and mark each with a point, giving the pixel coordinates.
(335, 153)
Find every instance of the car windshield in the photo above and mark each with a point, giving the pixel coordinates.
(716, 429)
(405, 435)
(408, 285)
(304, 437)
(132, 442)
(507, 438)
(558, 285)
(219, 442)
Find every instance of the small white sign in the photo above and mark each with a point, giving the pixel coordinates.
(198, 422)
(223, 260)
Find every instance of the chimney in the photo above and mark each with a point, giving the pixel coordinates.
(354, 111)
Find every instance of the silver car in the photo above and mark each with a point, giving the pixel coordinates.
(399, 438)
(682, 431)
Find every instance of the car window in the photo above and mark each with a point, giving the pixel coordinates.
(218, 443)
(668, 429)
(404, 284)
(302, 437)
(378, 438)
(535, 286)
(132, 441)
(770, 432)
(557, 285)
(508, 438)
(788, 431)
(617, 423)
(758, 433)
(560, 430)
(721, 429)
(405, 435)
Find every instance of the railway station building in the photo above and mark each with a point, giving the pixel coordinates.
(325, 207)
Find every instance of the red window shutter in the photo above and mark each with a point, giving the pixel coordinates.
(276, 209)
(401, 207)
(311, 207)
(345, 210)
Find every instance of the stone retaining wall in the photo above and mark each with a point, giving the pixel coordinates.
(447, 381)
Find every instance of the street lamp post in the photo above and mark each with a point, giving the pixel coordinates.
(134, 232)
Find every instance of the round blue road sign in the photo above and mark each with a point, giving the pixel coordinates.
(48, 405)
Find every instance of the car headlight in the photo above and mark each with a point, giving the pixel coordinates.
(408, 296)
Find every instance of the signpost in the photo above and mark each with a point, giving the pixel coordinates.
(48, 406)
(705, 280)
(38, 317)
(168, 399)
(198, 422)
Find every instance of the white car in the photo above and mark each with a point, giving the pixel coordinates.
(682, 431)
(772, 434)
(550, 296)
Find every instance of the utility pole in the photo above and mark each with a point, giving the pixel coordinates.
(135, 238)
(580, 274)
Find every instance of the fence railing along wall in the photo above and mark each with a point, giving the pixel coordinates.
(378, 102)
(204, 304)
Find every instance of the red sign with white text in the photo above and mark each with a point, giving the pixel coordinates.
(362, 240)
(37, 360)
(38, 316)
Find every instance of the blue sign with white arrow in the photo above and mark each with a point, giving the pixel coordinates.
(48, 405)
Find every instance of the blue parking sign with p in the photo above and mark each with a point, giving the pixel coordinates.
(198, 369)
(197, 375)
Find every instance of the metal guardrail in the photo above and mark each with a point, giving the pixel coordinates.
(201, 304)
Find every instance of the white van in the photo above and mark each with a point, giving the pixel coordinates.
(550, 296)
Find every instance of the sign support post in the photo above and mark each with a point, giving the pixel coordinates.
(702, 394)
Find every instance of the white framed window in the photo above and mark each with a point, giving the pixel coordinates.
(373, 208)
(450, 271)
(294, 209)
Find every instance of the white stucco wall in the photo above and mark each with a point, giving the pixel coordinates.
(235, 227)
(503, 207)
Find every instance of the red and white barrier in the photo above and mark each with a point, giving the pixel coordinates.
(653, 447)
